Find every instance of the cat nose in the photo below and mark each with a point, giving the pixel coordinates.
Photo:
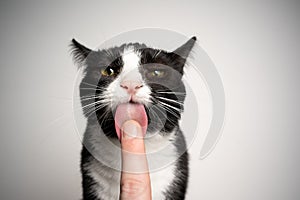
(131, 86)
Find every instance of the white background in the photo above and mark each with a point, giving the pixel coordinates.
(254, 45)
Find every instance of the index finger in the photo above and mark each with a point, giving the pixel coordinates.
(135, 179)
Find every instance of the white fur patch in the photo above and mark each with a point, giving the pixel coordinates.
(161, 156)
(131, 60)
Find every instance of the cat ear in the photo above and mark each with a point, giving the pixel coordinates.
(181, 53)
(185, 49)
(79, 52)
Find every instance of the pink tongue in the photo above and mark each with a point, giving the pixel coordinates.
(130, 111)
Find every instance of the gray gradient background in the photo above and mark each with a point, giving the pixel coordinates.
(254, 45)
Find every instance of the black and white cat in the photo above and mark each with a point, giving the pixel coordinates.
(155, 76)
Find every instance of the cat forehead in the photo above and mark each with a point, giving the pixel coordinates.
(131, 58)
(128, 48)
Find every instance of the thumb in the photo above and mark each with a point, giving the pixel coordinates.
(135, 180)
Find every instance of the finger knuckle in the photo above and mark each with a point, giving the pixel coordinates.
(132, 187)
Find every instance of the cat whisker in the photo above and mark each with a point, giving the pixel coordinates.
(144, 100)
(169, 109)
(158, 115)
(93, 86)
(95, 109)
(94, 89)
(172, 107)
(170, 100)
(170, 121)
(104, 116)
(93, 105)
(171, 112)
(96, 102)
(163, 92)
(89, 111)
(85, 83)
(93, 97)
(89, 108)
(87, 98)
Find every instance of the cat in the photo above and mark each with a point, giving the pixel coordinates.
(155, 75)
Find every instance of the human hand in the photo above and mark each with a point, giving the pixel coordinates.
(135, 179)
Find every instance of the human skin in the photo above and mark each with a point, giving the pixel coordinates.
(135, 179)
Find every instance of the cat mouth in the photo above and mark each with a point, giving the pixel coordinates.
(130, 111)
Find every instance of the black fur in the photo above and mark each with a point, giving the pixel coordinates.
(87, 181)
(93, 83)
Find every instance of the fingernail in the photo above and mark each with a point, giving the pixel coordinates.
(130, 129)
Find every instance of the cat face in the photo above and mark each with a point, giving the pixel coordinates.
(129, 84)
(133, 73)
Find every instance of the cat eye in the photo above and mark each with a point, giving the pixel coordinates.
(109, 71)
(156, 74)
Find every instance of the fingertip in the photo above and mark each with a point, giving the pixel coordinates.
(131, 129)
